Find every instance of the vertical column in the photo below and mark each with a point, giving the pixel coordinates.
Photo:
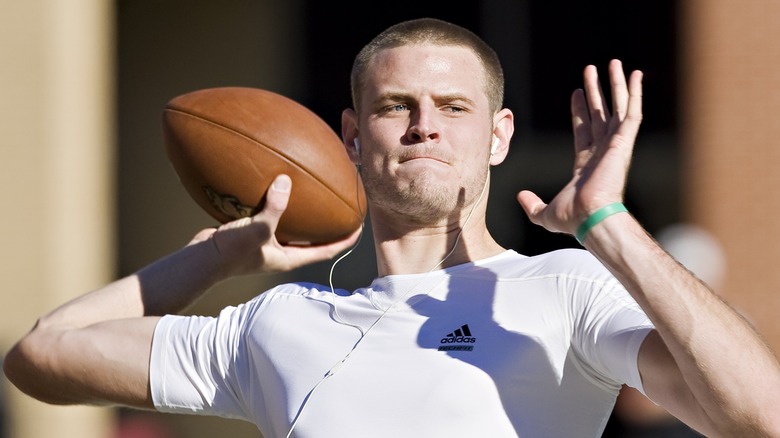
(56, 171)
(730, 67)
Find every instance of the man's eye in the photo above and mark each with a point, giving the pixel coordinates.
(455, 109)
(399, 107)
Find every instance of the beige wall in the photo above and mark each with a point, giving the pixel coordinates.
(56, 169)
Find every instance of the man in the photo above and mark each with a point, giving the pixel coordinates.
(458, 336)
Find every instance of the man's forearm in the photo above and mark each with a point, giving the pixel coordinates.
(728, 368)
(166, 286)
(75, 353)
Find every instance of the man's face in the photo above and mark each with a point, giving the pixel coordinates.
(425, 129)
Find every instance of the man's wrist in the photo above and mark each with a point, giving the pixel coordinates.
(596, 217)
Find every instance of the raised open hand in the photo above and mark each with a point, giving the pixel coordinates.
(603, 145)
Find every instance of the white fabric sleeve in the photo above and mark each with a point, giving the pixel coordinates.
(194, 368)
(610, 332)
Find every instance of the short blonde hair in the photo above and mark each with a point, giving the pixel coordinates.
(437, 32)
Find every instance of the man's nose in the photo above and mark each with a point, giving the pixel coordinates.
(423, 126)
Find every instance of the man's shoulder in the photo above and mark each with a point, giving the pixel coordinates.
(568, 261)
(298, 288)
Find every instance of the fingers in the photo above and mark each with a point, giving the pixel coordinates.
(594, 95)
(628, 106)
(590, 115)
(617, 83)
(580, 121)
(591, 118)
(299, 256)
(634, 112)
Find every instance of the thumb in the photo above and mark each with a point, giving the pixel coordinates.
(277, 197)
(238, 241)
(531, 203)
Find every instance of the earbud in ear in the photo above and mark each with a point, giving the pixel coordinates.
(357, 146)
(494, 145)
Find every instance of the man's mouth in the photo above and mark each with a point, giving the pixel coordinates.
(422, 155)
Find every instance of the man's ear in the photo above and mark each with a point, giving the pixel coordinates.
(349, 134)
(503, 128)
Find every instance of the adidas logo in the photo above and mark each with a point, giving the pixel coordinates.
(455, 340)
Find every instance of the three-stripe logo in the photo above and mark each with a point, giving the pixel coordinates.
(459, 339)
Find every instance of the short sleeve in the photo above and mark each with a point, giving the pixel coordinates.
(610, 332)
(194, 365)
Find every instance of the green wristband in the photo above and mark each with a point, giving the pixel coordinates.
(598, 216)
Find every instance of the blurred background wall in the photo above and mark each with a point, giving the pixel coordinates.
(91, 196)
(57, 167)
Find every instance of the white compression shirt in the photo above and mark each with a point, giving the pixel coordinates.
(506, 346)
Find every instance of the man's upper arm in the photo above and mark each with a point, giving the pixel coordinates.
(664, 384)
(104, 363)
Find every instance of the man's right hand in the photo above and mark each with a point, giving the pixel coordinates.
(249, 245)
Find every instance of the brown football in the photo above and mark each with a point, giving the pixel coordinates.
(228, 144)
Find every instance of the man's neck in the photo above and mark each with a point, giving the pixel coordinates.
(415, 249)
